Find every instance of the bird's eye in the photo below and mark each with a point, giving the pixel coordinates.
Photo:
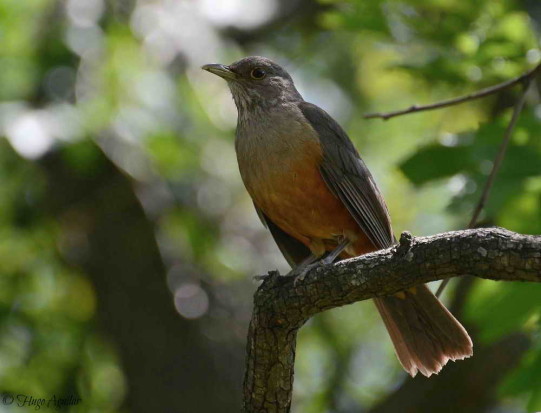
(258, 73)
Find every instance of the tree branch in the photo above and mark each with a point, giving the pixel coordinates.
(281, 307)
(524, 78)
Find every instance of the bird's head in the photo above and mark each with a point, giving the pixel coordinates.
(256, 82)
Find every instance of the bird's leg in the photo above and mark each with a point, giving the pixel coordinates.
(331, 256)
(300, 268)
(300, 271)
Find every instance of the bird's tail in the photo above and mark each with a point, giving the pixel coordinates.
(424, 333)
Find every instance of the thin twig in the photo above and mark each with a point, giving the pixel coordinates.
(495, 166)
(500, 156)
(526, 77)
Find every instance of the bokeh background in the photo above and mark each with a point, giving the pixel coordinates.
(128, 243)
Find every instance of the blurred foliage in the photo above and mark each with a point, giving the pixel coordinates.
(122, 78)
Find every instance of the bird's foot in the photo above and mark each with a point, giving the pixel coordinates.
(299, 273)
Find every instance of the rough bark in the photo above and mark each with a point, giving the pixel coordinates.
(282, 306)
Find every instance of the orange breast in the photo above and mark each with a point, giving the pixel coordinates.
(292, 193)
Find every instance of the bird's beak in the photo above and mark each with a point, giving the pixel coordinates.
(220, 70)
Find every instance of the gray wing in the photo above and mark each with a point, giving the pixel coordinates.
(293, 251)
(349, 179)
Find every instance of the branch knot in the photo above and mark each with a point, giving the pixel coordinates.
(403, 249)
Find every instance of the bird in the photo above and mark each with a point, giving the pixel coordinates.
(312, 190)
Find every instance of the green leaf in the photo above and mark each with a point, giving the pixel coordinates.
(501, 309)
(436, 161)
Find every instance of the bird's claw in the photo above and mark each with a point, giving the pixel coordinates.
(299, 273)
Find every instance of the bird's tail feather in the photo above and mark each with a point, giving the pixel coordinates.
(424, 333)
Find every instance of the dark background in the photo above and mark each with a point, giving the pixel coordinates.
(128, 243)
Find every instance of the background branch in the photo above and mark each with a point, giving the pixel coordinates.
(497, 162)
(525, 78)
(281, 307)
(500, 156)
